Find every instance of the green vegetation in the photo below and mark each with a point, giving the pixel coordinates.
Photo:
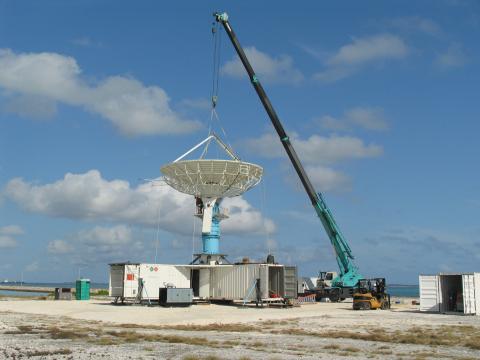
(101, 334)
(458, 335)
(350, 349)
(33, 353)
(101, 292)
(197, 357)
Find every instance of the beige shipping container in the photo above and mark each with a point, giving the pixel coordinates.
(237, 282)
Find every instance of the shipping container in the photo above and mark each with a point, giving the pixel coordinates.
(143, 281)
(450, 293)
(208, 282)
(239, 282)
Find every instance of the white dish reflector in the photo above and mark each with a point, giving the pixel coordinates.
(212, 178)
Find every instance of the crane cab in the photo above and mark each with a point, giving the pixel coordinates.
(325, 278)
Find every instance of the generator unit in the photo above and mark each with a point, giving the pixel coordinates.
(171, 296)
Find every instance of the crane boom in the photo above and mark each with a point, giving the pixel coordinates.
(348, 276)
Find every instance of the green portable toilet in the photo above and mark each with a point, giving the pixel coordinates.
(82, 287)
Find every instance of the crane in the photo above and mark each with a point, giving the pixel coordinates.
(348, 277)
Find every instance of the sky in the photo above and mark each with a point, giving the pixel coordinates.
(381, 101)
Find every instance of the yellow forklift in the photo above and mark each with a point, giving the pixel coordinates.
(371, 295)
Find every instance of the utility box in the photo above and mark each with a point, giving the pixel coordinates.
(450, 293)
(82, 289)
(63, 294)
(175, 296)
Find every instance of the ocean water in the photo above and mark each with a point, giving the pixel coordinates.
(403, 290)
(393, 290)
(50, 285)
(22, 293)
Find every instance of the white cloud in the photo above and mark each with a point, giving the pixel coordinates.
(454, 57)
(244, 218)
(34, 266)
(269, 69)
(109, 242)
(99, 244)
(7, 241)
(90, 197)
(8, 235)
(199, 103)
(318, 154)
(331, 123)
(85, 41)
(106, 236)
(417, 23)
(271, 245)
(327, 179)
(326, 150)
(59, 247)
(435, 249)
(370, 118)
(135, 109)
(316, 150)
(11, 230)
(360, 52)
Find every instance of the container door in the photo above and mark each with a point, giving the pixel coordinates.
(204, 286)
(130, 281)
(468, 294)
(116, 280)
(476, 280)
(264, 281)
(429, 293)
(290, 282)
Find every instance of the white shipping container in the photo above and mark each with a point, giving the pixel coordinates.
(156, 276)
(125, 279)
(210, 282)
(450, 293)
(429, 294)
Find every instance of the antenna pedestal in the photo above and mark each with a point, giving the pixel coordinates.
(211, 213)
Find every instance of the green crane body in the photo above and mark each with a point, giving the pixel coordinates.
(348, 276)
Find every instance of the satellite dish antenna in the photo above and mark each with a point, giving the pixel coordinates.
(209, 181)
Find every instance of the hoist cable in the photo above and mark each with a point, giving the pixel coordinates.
(217, 45)
(215, 115)
(216, 63)
(217, 72)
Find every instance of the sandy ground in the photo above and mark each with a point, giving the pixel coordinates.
(97, 329)
(102, 310)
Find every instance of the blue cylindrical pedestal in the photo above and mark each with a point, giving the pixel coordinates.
(211, 241)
